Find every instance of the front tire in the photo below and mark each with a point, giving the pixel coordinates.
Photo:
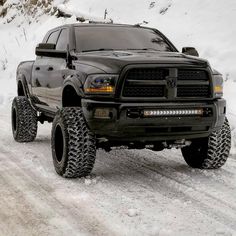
(73, 144)
(24, 120)
(211, 152)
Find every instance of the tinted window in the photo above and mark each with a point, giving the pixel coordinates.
(63, 40)
(53, 37)
(118, 38)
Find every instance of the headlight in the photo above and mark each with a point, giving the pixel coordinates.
(218, 85)
(100, 84)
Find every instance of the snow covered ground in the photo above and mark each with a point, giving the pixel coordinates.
(131, 192)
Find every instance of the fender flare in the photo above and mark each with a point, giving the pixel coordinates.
(75, 82)
(21, 79)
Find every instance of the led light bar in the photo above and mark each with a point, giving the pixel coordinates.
(174, 112)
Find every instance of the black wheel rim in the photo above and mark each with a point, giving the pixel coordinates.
(59, 143)
(14, 120)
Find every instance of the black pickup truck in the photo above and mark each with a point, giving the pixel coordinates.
(110, 85)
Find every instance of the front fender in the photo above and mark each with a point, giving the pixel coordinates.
(75, 81)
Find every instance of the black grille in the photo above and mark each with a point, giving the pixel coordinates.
(132, 89)
(193, 91)
(135, 91)
(192, 75)
(147, 74)
(151, 82)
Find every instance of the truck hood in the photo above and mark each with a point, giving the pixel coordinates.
(114, 61)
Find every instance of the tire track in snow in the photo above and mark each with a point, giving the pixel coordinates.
(36, 171)
(214, 207)
(83, 214)
(214, 179)
(166, 186)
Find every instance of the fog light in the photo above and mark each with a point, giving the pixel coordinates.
(102, 113)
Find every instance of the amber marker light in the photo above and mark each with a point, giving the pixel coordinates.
(218, 85)
(218, 89)
(105, 89)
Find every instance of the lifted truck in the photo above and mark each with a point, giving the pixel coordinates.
(109, 85)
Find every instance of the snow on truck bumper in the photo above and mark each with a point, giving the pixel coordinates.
(153, 121)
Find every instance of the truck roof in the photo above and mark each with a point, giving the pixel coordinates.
(96, 24)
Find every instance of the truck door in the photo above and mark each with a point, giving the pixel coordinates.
(40, 73)
(56, 71)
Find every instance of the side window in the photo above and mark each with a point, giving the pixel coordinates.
(53, 37)
(63, 40)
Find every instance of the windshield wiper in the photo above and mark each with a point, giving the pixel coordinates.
(126, 49)
(99, 49)
(141, 49)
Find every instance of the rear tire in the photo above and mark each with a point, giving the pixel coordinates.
(211, 152)
(24, 120)
(73, 144)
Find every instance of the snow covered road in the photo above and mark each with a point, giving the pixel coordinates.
(131, 192)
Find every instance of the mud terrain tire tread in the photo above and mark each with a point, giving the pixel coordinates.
(79, 144)
(212, 152)
(24, 120)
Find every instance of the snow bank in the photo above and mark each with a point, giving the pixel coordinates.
(208, 25)
(18, 41)
(81, 16)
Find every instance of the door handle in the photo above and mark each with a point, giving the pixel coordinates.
(37, 68)
(50, 68)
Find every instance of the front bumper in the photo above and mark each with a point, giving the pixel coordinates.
(120, 126)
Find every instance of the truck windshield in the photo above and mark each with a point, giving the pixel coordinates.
(105, 38)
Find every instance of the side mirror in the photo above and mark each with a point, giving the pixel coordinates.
(190, 51)
(49, 50)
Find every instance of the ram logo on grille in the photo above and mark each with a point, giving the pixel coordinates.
(171, 82)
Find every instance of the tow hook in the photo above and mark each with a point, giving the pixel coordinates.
(177, 144)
